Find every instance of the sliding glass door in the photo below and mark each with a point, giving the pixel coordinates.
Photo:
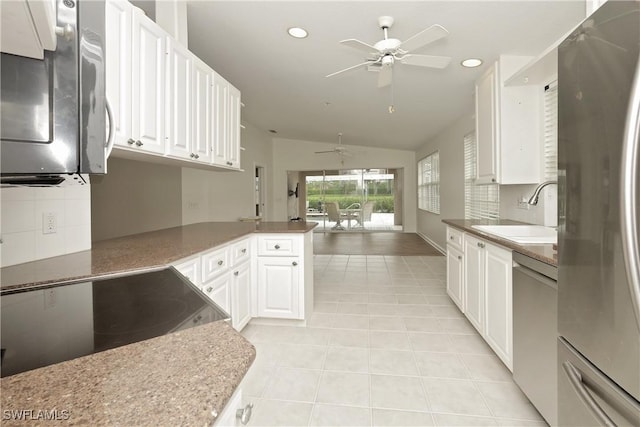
(353, 200)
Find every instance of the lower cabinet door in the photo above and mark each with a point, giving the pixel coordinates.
(455, 278)
(278, 287)
(498, 303)
(241, 296)
(474, 259)
(219, 290)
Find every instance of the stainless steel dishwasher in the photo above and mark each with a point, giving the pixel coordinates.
(535, 333)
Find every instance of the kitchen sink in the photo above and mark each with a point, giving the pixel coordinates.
(521, 233)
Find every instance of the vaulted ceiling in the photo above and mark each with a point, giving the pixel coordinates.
(283, 81)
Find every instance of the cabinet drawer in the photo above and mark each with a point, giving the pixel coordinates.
(454, 237)
(214, 263)
(190, 268)
(278, 246)
(240, 252)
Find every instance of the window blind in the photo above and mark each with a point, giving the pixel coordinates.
(480, 201)
(550, 131)
(429, 183)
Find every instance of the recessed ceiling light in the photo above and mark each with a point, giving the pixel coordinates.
(297, 32)
(471, 62)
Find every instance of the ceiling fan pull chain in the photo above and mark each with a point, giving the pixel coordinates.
(392, 108)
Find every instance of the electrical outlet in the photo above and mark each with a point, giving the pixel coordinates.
(523, 203)
(49, 222)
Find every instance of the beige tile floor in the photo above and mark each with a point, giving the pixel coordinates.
(385, 346)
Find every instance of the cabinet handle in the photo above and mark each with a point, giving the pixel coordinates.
(131, 141)
(192, 155)
(197, 156)
(220, 262)
(480, 245)
(209, 289)
(197, 319)
(459, 257)
(244, 251)
(451, 237)
(139, 143)
(230, 164)
(277, 246)
(235, 273)
(294, 263)
(244, 414)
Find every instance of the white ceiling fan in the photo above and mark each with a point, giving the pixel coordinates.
(385, 53)
(338, 149)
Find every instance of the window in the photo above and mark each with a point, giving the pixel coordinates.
(429, 183)
(480, 201)
(550, 132)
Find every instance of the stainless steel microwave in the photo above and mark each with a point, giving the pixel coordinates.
(53, 110)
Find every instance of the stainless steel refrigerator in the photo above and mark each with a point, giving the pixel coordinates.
(599, 256)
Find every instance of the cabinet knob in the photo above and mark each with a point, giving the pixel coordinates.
(480, 245)
(459, 257)
(192, 155)
(277, 246)
(197, 156)
(451, 237)
(229, 163)
(235, 273)
(209, 289)
(493, 180)
(139, 143)
(131, 141)
(220, 262)
(244, 414)
(294, 263)
(244, 251)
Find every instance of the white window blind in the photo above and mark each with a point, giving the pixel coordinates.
(480, 201)
(550, 123)
(429, 183)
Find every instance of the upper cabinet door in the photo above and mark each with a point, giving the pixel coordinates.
(486, 127)
(118, 67)
(179, 100)
(201, 141)
(148, 84)
(220, 113)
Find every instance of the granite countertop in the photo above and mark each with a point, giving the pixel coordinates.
(177, 379)
(139, 251)
(542, 252)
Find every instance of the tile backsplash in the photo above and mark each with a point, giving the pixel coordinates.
(42, 222)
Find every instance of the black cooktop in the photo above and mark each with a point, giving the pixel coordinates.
(43, 326)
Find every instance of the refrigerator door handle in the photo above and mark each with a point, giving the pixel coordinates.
(576, 382)
(628, 194)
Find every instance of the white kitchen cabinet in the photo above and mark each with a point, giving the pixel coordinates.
(474, 281)
(498, 302)
(135, 83)
(179, 100)
(148, 84)
(28, 27)
(241, 295)
(118, 68)
(455, 267)
(219, 290)
(190, 268)
(201, 140)
(507, 126)
(236, 413)
(285, 275)
(278, 287)
(488, 287)
(226, 123)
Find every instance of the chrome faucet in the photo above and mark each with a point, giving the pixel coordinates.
(533, 200)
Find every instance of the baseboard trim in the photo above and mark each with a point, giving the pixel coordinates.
(432, 243)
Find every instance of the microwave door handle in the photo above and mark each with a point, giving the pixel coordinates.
(628, 194)
(111, 135)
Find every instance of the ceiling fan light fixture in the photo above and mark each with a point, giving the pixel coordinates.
(297, 32)
(471, 62)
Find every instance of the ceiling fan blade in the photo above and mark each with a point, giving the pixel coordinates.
(323, 152)
(424, 37)
(426, 60)
(359, 45)
(351, 68)
(385, 76)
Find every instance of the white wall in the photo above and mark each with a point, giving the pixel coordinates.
(22, 220)
(227, 196)
(450, 144)
(298, 155)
